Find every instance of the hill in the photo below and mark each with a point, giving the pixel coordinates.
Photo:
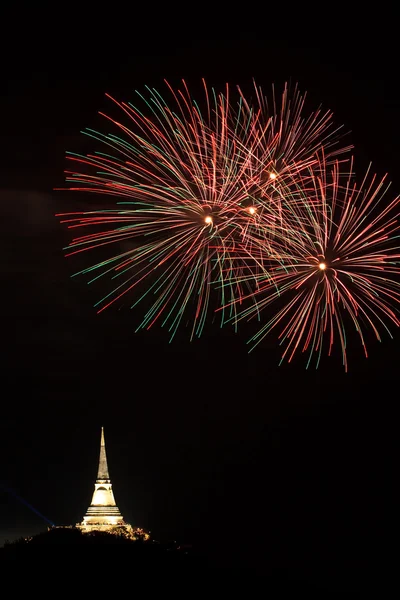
(61, 540)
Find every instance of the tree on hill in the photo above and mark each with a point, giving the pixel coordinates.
(151, 550)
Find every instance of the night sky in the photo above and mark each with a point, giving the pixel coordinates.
(260, 465)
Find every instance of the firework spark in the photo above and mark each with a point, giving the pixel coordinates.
(200, 194)
(341, 267)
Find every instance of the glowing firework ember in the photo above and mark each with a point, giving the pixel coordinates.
(203, 199)
(341, 269)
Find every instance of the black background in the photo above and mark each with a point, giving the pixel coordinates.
(257, 465)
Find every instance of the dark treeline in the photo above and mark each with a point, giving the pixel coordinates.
(70, 545)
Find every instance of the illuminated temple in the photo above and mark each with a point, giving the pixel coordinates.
(103, 513)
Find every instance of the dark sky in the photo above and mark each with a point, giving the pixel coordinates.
(206, 443)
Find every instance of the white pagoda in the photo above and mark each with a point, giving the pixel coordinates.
(103, 513)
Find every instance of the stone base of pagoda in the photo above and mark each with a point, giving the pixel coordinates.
(120, 528)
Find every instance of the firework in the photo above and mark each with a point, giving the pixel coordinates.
(340, 269)
(200, 199)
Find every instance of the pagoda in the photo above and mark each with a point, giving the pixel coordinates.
(103, 513)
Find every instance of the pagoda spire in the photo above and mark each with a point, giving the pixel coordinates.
(102, 473)
(103, 512)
